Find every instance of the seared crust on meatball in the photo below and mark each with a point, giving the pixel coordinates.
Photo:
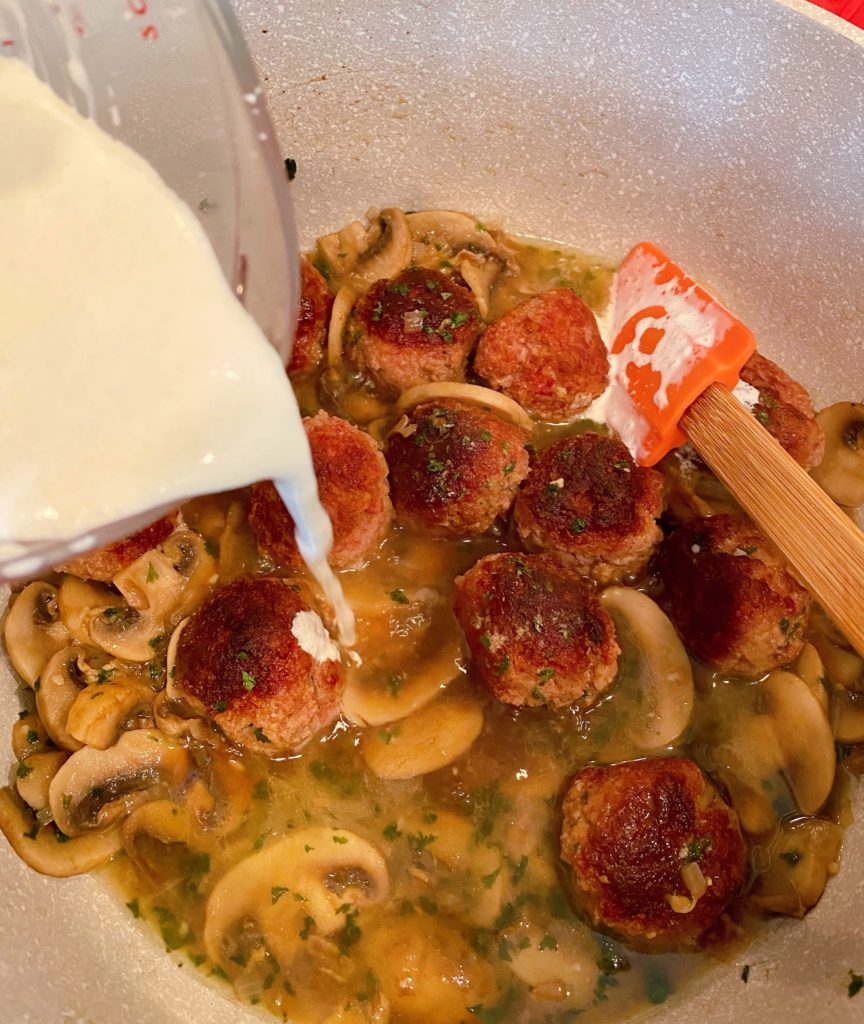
(635, 840)
(455, 467)
(352, 484)
(104, 563)
(588, 503)
(729, 594)
(785, 409)
(547, 354)
(238, 657)
(417, 328)
(536, 633)
(312, 316)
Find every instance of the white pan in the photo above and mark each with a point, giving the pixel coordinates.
(729, 132)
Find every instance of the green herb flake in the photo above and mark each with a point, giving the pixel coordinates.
(134, 907)
(459, 319)
(260, 734)
(485, 641)
(518, 869)
(277, 892)
(308, 925)
(391, 831)
(23, 770)
(856, 983)
(261, 790)
(548, 942)
(762, 417)
(489, 880)
(341, 840)
(538, 695)
(152, 575)
(218, 706)
(104, 674)
(578, 525)
(435, 465)
(399, 289)
(394, 684)
(485, 435)
(389, 734)
(211, 547)
(696, 849)
(504, 951)
(498, 1014)
(545, 674)
(248, 682)
(398, 596)
(503, 665)
(658, 986)
(377, 312)
(155, 641)
(420, 840)
(622, 465)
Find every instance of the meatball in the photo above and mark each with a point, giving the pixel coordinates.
(730, 596)
(417, 328)
(536, 633)
(547, 354)
(588, 503)
(312, 317)
(454, 467)
(352, 484)
(258, 660)
(653, 853)
(104, 563)
(785, 409)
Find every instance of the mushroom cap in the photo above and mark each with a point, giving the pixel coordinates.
(34, 631)
(841, 470)
(241, 660)
(94, 788)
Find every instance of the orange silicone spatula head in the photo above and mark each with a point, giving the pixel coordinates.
(671, 340)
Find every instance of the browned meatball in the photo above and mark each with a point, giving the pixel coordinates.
(312, 317)
(641, 841)
(244, 658)
(455, 467)
(730, 596)
(547, 354)
(352, 484)
(104, 563)
(785, 410)
(588, 503)
(419, 327)
(536, 633)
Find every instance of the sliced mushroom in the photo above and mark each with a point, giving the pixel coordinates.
(160, 587)
(77, 599)
(843, 667)
(847, 716)
(63, 678)
(557, 964)
(310, 875)
(28, 736)
(841, 471)
(485, 397)
(102, 711)
(479, 272)
(804, 737)
(369, 254)
(448, 231)
(425, 741)
(403, 693)
(655, 662)
(808, 666)
(802, 857)
(166, 823)
(748, 762)
(48, 851)
(95, 788)
(342, 306)
(33, 630)
(34, 775)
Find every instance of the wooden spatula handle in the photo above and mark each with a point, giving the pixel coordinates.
(820, 542)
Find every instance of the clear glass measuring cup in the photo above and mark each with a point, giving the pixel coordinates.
(173, 80)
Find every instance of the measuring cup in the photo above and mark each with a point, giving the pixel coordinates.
(173, 80)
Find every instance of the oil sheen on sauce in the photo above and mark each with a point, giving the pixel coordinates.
(130, 376)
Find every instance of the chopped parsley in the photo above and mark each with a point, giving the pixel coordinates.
(23, 770)
(420, 840)
(391, 832)
(377, 312)
(459, 319)
(260, 735)
(503, 665)
(485, 641)
(277, 892)
(538, 695)
(545, 674)
(398, 596)
(248, 681)
(241, 655)
(152, 575)
(435, 465)
(308, 925)
(485, 435)
(261, 790)
(658, 987)
(218, 706)
(548, 942)
(135, 907)
(490, 879)
(32, 736)
(400, 289)
(341, 840)
(394, 684)
(696, 849)
(578, 525)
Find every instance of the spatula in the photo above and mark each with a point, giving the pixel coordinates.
(676, 355)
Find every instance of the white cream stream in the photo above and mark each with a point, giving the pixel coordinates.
(130, 376)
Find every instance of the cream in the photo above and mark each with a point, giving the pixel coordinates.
(131, 377)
